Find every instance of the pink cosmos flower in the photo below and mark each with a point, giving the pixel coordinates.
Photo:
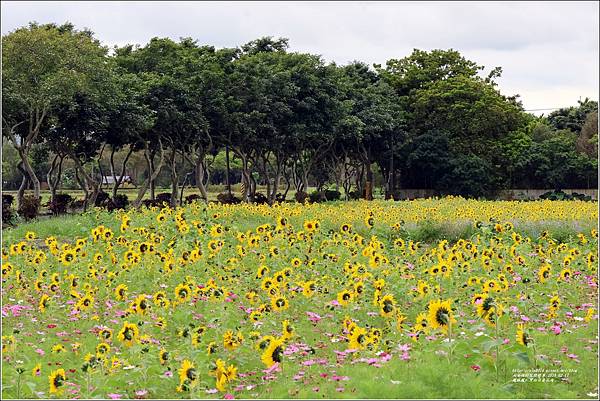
(212, 391)
(404, 347)
(228, 397)
(113, 396)
(313, 317)
(476, 368)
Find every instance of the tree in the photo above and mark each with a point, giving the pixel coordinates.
(44, 66)
(572, 118)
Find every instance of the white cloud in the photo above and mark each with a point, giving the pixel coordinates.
(548, 50)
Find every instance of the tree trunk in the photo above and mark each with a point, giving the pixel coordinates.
(152, 174)
(227, 170)
(32, 177)
(118, 181)
(174, 179)
(200, 172)
(23, 186)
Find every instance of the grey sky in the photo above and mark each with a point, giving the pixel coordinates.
(548, 50)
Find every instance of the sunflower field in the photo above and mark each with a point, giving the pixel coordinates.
(436, 298)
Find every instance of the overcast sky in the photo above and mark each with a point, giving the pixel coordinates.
(548, 50)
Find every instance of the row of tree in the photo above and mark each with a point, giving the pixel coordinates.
(430, 120)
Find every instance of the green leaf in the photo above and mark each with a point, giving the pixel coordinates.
(522, 356)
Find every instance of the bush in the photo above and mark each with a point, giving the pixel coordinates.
(301, 196)
(7, 212)
(316, 196)
(354, 195)
(77, 204)
(162, 198)
(324, 196)
(332, 195)
(227, 198)
(60, 203)
(102, 200)
(193, 198)
(29, 207)
(279, 197)
(562, 195)
(120, 201)
(259, 198)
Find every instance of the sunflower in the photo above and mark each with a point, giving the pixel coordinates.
(370, 220)
(58, 349)
(37, 370)
(188, 376)
(344, 297)
(43, 304)
(309, 288)
(105, 334)
(128, 333)
(101, 350)
(357, 339)
(310, 226)
(543, 273)
(554, 303)
(440, 315)
(422, 323)
(140, 304)
(182, 292)
(85, 303)
(68, 257)
(231, 341)
(287, 331)
(273, 352)
(121, 292)
(522, 336)
(566, 274)
(423, 288)
(279, 303)
(387, 306)
(56, 379)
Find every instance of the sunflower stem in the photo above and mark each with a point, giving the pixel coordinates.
(19, 386)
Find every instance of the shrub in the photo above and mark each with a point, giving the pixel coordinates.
(60, 203)
(259, 198)
(102, 199)
(354, 195)
(77, 204)
(280, 197)
(162, 198)
(227, 198)
(193, 198)
(7, 212)
(120, 201)
(317, 196)
(29, 207)
(301, 196)
(332, 195)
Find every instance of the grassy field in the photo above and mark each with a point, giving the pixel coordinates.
(446, 298)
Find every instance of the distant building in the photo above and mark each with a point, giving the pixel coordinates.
(109, 180)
